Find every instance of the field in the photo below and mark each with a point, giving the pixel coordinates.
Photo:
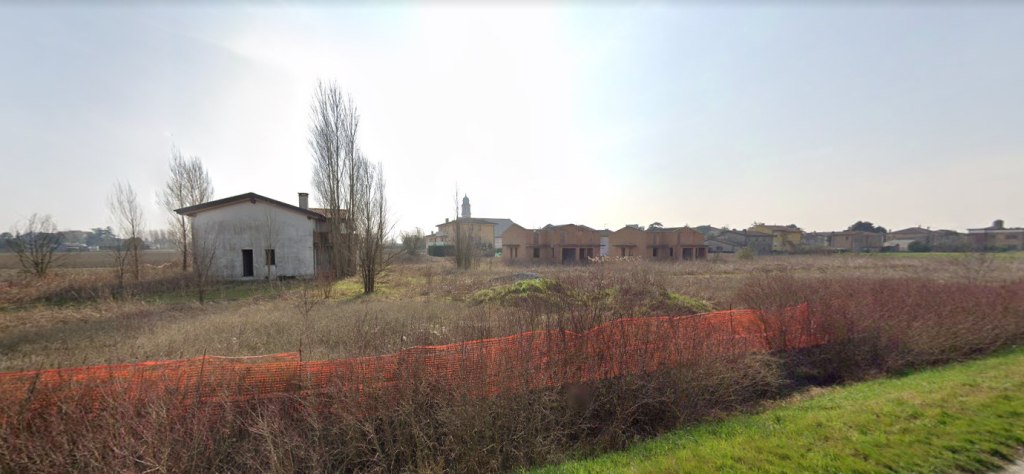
(420, 303)
(882, 314)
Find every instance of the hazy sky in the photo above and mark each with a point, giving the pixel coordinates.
(902, 114)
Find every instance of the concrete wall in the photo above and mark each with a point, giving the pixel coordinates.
(226, 231)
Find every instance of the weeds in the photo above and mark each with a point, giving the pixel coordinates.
(879, 317)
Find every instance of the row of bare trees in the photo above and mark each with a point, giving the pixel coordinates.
(36, 241)
(349, 187)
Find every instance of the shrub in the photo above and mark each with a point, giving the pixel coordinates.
(682, 304)
(745, 253)
(510, 294)
(886, 325)
(411, 425)
(917, 246)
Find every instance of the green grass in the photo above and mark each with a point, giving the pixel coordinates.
(966, 417)
(513, 291)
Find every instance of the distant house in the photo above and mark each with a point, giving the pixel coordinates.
(250, 236)
(949, 240)
(997, 237)
(708, 231)
(567, 243)
(898, 245)
(658, 243)
(500, 226)
(75, 236)
(945, 240)
(479, 231)
(919, 234)
(814, 240)
(486, 233)
(716, 245)
(785, 238)
(758, 242)
(856, 241)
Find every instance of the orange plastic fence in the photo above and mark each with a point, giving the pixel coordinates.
(483, 367)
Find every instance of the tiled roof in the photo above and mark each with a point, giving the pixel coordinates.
(250, 197)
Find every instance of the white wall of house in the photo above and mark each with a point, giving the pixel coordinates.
(227, 231)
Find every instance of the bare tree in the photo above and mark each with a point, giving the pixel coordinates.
(35, 244)
(332, 140)
(413, 242)
(204, 254)
(369, 218)
(126, 212)
(188, 185)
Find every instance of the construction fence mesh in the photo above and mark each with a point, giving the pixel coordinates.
(486, 367)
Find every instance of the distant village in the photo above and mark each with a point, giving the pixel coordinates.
(253, 236)
(568, 243)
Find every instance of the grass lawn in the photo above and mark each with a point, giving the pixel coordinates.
(967, 417)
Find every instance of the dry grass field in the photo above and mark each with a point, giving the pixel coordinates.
(880, 314)
(425, 302)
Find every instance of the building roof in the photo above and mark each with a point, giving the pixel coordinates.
(746, 233)
(779, 227)
(704, 229)
(323, 211)
(247, 197)
(855, 232)
(467, 220)
(912, 230)
(500, 225)
(668, 229)
(991, 230)
(553, 226)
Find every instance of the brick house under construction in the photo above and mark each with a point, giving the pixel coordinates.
(567, 243)
(658, 243)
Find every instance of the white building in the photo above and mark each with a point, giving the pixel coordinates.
(254, 237)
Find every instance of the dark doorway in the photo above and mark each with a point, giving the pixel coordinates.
(247, 262)
(568, 255)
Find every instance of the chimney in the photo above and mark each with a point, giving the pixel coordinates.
(304, 200)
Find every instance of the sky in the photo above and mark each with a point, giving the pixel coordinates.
(902, 114)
